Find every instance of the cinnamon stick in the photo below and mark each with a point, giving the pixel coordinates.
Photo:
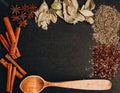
(9, 29)
(12, 78)
(8, 39)
(9, 67)
(4, 42)
(5, 64)
(17, 53)
(7, 56)
(14, 45)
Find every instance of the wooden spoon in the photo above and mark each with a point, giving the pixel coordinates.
(35, 84)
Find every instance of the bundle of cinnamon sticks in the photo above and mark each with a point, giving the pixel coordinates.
(10, 41)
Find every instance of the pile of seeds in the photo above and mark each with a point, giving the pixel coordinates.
(106, 60)
(106, 55)
(107, 25)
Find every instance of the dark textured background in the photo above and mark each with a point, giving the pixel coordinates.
(59, 54)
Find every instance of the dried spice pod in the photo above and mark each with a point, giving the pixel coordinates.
(15, 18)
(32, 7)
(23, 16)
(30, 15)
(20, 14)
(15, 9)
(25, 8)
(22, 23)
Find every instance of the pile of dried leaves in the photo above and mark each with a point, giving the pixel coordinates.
(68, 10)
(20, 14)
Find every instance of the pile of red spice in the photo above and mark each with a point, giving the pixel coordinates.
(106, 60)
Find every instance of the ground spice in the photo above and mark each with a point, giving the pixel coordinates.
(107, 25)
(106, 60)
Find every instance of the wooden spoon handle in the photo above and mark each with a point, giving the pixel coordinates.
(94, 84)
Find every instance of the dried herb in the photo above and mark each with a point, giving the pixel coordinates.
(106, 60)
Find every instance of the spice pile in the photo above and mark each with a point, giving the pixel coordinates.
(20, 14)
(68, 10)
(107, 25)
(106, 60)
(10, 41)
(106, 55)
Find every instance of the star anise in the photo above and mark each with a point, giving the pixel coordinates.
(24, 8)
(15, 18)
(15, 9)
(30, 15)
(23, 23)
(23, 16)
(32, 7)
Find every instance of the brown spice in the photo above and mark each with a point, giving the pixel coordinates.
(106, 60)
(107, 25)
(30, 15)
(9, 58)
(15, 9)
(23, 23)
(5, 64)
(23, 16)
(32, 7)
(12, 79)
(24, 8)
(9, 73)
(22, 13)
(15, 18)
